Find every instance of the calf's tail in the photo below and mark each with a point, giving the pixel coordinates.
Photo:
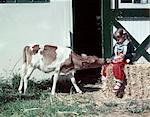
(25, 50)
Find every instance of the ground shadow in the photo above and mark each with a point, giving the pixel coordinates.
(90, 89)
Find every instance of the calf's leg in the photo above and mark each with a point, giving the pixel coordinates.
(74, 83)
(23, 73)
(25, 78)
(55, 79)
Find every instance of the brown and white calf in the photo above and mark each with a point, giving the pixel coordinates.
(59, 60)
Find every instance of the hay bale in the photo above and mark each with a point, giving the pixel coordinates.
(136, 85)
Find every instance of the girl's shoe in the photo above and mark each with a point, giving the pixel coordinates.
(116, 87)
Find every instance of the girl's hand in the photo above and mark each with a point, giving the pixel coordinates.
(117, 60)
(108, 60)
(121, 55)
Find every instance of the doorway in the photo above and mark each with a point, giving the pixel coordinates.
(87, 34)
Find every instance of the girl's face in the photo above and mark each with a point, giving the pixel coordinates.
(119, 38)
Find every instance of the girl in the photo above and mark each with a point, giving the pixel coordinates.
(123, 52)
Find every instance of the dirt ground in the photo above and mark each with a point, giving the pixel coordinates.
(121, 107)
(136, 87)
(133, 102)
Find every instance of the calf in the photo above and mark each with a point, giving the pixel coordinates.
(59, 60)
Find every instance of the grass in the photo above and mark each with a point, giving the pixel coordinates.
(46, 105)
(135, 106)
(40, 103)
(36, 103)
(50, 107)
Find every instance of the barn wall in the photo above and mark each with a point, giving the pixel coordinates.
(26, 23)
(139, 30)
(136, 23)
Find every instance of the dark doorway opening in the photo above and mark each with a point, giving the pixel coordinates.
(87, 34)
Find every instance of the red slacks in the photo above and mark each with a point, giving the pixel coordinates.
(117, 70)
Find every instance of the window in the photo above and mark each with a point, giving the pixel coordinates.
(141, 1)
(135, 1)
(126, 1)
(24, 1)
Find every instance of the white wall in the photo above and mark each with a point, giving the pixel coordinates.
(26, 23)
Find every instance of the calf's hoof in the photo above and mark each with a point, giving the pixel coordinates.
(80, 92)
(20, 91)
(52, 93)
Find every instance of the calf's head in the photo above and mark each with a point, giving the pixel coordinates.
(91, 62)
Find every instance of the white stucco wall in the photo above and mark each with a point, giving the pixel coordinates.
(26, 23)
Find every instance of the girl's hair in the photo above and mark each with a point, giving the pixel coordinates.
(121, 32)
